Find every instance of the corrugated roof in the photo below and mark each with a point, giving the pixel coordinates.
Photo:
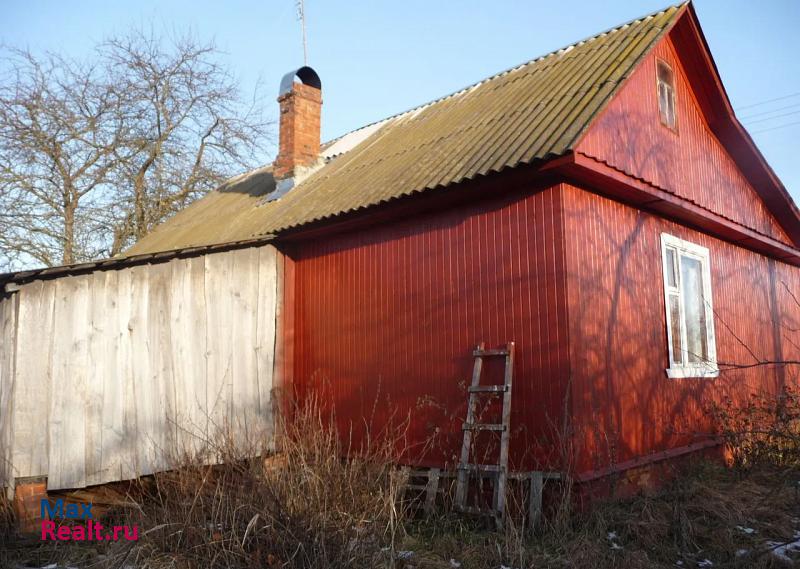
(531, 112)
(21, 277)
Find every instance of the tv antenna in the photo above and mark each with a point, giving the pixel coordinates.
(301, 15)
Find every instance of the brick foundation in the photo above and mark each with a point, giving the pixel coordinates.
(646, 478)
(28, 496)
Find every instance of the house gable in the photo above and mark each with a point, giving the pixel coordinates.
(695, 162)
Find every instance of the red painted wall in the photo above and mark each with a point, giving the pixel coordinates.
(691, 162)
(386, 319)
(623, 404)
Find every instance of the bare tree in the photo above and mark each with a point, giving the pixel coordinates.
(57, 146)
(94, 155)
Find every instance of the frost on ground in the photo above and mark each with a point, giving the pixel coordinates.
(49, 566)
(788, 552)
(612, 539)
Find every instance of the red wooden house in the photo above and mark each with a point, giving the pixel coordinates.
(600, 206)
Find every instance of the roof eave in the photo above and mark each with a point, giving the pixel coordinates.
(726, 126)
(589, 173)
(10, 282)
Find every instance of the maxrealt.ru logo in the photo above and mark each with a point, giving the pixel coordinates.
(89, 530)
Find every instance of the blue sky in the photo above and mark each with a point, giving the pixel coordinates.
(377, 58)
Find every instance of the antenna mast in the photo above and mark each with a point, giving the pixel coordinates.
(301, 15)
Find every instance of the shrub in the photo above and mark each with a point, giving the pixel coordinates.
(765, 429)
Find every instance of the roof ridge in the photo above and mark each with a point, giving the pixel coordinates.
(555, 105)
(510, 70)
(506, 71)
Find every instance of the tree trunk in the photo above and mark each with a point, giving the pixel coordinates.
(139, 222)
(140, 205)
(68, 255)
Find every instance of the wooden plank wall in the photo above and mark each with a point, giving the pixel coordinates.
(8, 327)
(120, 371)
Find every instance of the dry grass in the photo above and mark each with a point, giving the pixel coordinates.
(308, 507)
(7, 524)
(694, 519)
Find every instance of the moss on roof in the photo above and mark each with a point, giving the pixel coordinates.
(533, 112)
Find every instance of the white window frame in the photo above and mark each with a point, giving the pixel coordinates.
(686, 369)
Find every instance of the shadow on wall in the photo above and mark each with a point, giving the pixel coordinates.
(389, 318)
(624, 406)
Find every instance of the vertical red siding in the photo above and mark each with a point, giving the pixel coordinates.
(386, 319)
(283, 380)
(623, 404)
(690, 162)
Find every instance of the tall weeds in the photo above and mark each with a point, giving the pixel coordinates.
(309, 506)
(321, 503)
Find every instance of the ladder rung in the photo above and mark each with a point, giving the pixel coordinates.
(487, 388)
(495, 352)
(482, 427)
(480, 467)
(478, 511)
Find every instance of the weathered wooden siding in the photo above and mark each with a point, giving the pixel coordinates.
(386, 319)
(8, 330)
(119, 370)
(691, 162)
(623, 404)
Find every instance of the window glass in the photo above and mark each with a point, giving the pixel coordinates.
(664, 73)
(675, 328)
(666, 94)
(672, 268)
(694, 309)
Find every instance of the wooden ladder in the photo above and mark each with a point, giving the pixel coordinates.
(498, 471)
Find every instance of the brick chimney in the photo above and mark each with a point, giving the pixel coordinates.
(301, 106)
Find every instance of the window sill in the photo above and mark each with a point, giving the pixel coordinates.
(692, 372)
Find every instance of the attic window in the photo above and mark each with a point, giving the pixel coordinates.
(666, 94)
(690, 314)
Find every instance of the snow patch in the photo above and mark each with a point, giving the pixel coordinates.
(783, 550)
(612, 536)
